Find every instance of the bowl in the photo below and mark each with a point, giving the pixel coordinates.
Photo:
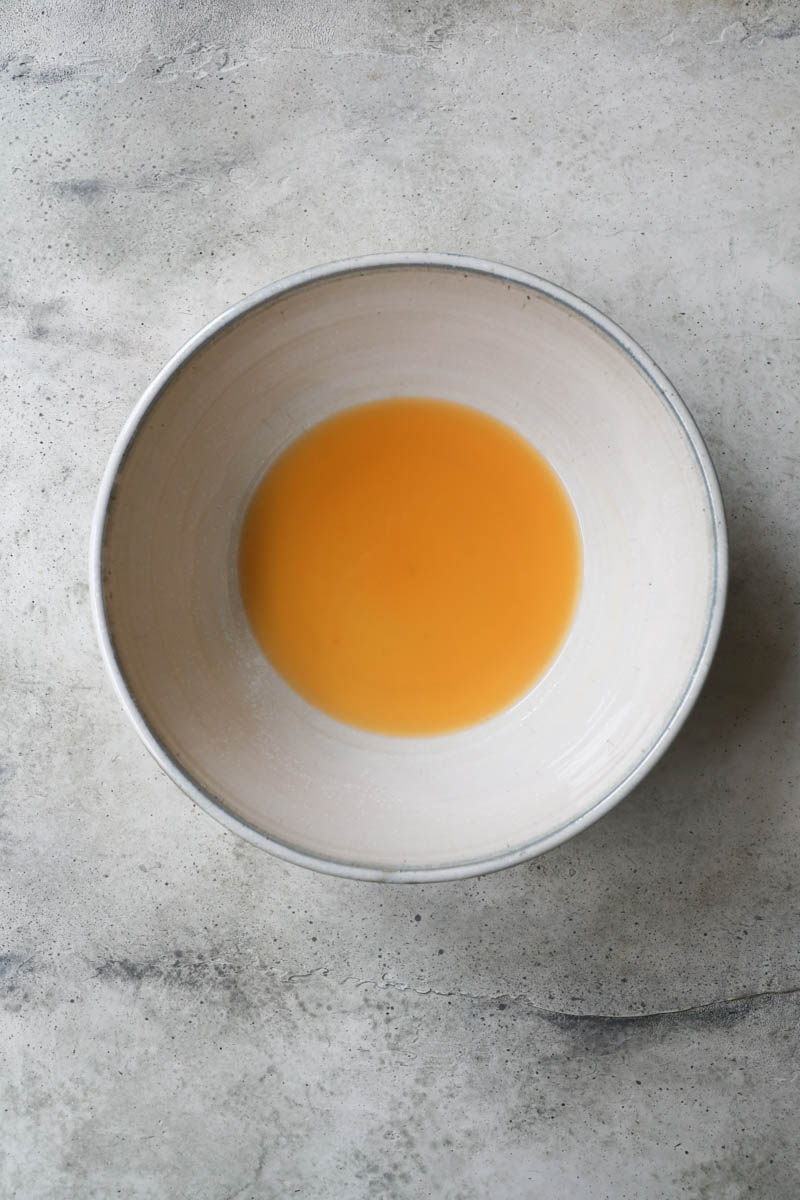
(224, 725)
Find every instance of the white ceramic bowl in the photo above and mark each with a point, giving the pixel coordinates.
(236, 738)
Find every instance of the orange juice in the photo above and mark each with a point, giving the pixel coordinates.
(410, 566)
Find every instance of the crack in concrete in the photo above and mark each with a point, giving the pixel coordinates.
(559, 1014)
(228, 974)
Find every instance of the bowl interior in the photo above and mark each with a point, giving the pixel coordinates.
(219, 711)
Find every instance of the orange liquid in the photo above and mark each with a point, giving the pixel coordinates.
(410, 566)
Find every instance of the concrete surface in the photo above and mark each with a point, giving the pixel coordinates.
(183, 1016)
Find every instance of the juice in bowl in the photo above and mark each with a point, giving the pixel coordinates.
(410, 566)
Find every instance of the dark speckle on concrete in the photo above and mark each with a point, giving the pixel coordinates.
(15, 968)
(218, 978)
(10, 964)
(85, 189)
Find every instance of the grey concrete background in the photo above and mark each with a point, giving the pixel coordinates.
(182, 1016)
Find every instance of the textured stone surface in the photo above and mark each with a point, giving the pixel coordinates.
(181, 1015)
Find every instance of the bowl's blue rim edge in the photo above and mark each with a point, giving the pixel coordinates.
(210, 803)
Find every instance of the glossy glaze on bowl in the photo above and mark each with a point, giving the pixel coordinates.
(227, 728)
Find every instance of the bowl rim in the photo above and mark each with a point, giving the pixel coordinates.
(476, 266)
